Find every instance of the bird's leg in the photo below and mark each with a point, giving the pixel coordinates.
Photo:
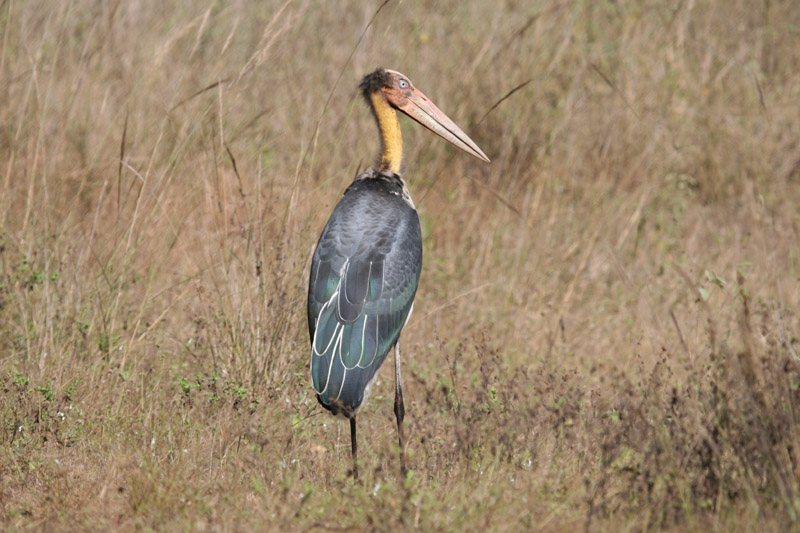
(353, 447)
(399, 409)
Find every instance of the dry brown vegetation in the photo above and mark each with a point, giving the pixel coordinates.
(606, 331)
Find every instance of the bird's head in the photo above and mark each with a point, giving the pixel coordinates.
(398, 91)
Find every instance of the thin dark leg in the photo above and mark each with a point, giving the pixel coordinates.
(353, 446)
(399, 409)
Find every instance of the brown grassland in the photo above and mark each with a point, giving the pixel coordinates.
(607, 330)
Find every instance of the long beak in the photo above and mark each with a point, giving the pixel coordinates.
(418, 107)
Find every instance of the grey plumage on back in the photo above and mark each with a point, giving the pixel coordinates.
(363, 280)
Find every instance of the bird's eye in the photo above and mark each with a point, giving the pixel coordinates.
(403, 84)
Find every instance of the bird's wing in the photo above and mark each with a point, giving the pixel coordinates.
(363, 279)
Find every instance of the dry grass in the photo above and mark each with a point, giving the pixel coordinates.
(606, 331)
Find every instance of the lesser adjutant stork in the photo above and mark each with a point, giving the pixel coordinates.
(367, 263)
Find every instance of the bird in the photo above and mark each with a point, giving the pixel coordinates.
(366, 267)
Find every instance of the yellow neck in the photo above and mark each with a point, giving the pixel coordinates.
(391, 139)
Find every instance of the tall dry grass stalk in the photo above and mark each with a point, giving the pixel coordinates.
(605, 334)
